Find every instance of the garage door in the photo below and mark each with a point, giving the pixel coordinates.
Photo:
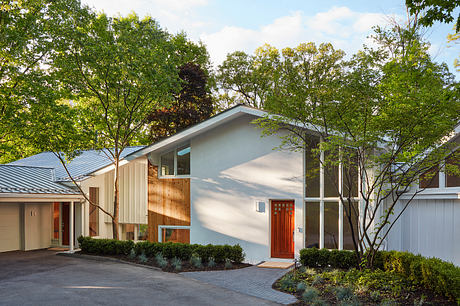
(10, 238)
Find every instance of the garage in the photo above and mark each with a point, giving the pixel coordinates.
(10, 234)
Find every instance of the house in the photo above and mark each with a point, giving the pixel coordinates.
(221, 182)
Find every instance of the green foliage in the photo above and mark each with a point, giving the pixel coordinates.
(435, 10)
(161, 261)
(288, 283)
(169, 250)
(344, 293)
(310, 294)
(394, 271)
(228, 264)
(301, 286)
(176, 263)
(196, 261)
(315, 258)
(142, 258)
(132, 254)
(211, 263)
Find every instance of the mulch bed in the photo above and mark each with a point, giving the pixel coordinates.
(186, 266)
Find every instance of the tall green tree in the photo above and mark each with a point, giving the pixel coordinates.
(383, 117)
(27, 31)
(429, 11)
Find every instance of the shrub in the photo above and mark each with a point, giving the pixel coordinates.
(161, 261)
(211, 263)
(176, 263)
(301, 287)
(228, 264)
(343, 293)
(184, 251)
(315, 258)
(310, 294)
(196, 261)
(143, 258)
(132, 254)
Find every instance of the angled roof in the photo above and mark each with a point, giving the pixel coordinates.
(30, 180)
(188, 133)
(80, 167)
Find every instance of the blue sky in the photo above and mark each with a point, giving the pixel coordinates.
(227, 26)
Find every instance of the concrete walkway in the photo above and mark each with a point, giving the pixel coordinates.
(252, 281)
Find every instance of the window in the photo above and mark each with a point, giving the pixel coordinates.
(312, 224)
(130, 231)
(430, 179)
(172, 233)
(176, 163)
(56, 206)
(453, 180)
(347, 229)
(93, 212)
(331, 225)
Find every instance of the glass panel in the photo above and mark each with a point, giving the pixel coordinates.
(181, 235)
(143, 232)
(312, 169)
(451, 179)
(331, 225)
(129, 231)
(350, 209)
(167, 163)
(183, 160)
(312, 224)
(331, 179)
(350, 175)
(56, 220)
(430, 179)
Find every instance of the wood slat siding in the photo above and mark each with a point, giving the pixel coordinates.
(168, 202)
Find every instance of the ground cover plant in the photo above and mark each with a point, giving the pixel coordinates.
(331, 277)
(168, 256)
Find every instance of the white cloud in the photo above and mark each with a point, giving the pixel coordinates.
(344, 28)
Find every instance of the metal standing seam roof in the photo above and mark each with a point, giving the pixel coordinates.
(80, 167)
(30, 180)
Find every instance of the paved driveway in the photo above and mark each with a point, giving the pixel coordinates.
(42, 278)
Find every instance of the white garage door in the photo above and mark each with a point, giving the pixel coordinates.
(10, 238)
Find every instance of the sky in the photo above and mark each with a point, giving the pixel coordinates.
(225, 26)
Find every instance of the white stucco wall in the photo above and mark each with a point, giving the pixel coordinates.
(428, 227)
(232, 167)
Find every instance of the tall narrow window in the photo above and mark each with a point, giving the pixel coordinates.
(56, 220)
(331, 225)
(93, 212)
(183, 160)
(167, 163)
(453, 180)
(312, 166)
(312, 224)
(350, 209)
(430, 179)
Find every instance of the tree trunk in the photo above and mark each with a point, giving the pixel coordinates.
(116, 200)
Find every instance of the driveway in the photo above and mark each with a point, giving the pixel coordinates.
(42, 278)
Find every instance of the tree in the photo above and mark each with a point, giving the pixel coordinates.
(27, 29)
(193, 104)
(381, 117)
(115, 71)
(434, 10)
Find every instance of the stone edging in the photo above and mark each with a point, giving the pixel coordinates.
(103, 258)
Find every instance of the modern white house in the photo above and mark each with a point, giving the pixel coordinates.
(217, 182)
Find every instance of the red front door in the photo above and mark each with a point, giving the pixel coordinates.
(282, 228)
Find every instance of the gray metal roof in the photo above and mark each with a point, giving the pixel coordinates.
(36, 180)
(80, 167)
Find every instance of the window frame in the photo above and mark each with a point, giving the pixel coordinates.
(175, 175)
(161, 227)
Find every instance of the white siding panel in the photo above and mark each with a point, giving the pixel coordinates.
(430, 228)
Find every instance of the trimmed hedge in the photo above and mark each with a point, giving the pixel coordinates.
(432, 273)
(184, 251)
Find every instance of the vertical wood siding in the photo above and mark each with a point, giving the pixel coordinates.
(169, 202)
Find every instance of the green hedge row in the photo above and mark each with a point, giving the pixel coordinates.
(184, 251)
(431, 273)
